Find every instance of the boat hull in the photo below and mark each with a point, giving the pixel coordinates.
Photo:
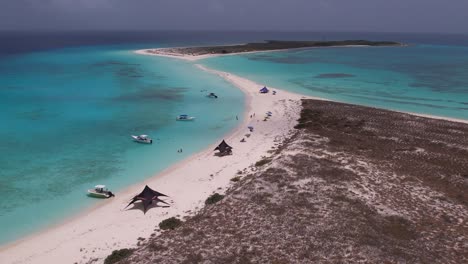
(185, 119)
(94, 194)
(150, 141)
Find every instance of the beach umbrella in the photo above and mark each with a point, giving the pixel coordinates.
(147, 197)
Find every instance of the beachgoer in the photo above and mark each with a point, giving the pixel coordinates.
(237, 118)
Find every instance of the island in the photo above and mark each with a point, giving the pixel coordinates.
(268, 45)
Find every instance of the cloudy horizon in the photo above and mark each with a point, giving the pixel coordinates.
(425, 16)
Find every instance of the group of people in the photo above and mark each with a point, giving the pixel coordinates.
(179, 150)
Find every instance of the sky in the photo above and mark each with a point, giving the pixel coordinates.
(443, 16)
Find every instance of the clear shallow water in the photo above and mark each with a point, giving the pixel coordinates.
(426, 79)
(69, 101)
(67, 116)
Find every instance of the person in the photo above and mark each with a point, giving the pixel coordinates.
(237, 118)
(242, 140)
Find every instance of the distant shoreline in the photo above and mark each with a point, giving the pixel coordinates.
(196, 53)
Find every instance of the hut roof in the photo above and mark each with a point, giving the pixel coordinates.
(223, 146)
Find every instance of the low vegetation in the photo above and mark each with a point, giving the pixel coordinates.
(214, 198)
(280, 44)
(170, 223)
(118, 255)
(236, 179)
(262, 162)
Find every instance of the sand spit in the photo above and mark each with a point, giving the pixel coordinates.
(94, 234)
(195, 53)
(353, 184)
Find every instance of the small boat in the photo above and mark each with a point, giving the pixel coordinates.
(142, 139)
(212, 95)
(185, 118)
(100, 191)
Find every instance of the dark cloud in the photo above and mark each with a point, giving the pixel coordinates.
(313, 15)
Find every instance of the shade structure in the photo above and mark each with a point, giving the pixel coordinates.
(147, 197)
(223, 147)
(264, 90)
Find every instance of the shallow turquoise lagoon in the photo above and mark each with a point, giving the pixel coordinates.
(66, 120)
(424, 79)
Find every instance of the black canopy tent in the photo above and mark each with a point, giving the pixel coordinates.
(224, 148)
(147, 196)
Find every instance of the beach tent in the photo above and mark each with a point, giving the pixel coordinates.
(147, 196)
(264, 90)
(224, 148)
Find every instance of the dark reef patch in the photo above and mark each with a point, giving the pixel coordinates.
(172, 94)
(334, 75)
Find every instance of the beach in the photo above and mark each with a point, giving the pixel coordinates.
(94, 234)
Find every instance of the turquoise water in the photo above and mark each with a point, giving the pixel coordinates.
(67, 116)
(426, 79)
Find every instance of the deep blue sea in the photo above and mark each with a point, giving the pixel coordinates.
(70, 101)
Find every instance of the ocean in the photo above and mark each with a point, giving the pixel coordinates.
(424, 79)
(70, 101)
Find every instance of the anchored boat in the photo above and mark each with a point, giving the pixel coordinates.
(142, 139)
(185, 118)
(100, 191)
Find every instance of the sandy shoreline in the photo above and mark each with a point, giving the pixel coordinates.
(169, 53)
(172, 52)
(96, 232)
(188, 183)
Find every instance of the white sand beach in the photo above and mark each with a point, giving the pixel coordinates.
(96, 233)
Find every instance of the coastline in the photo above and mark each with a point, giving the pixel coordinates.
(162, 52)
(168, 52)
(82, 235)
(80, 239)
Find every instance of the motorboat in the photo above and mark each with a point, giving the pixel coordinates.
(185, 118)
(142, 139)
(100, 191)
(212, 95)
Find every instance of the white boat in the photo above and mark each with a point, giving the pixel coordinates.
(142, 139)
(100, 191)
(185, 118)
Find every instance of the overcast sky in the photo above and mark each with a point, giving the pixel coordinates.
(301, 15)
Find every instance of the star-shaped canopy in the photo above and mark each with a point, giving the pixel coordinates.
(147, 196)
